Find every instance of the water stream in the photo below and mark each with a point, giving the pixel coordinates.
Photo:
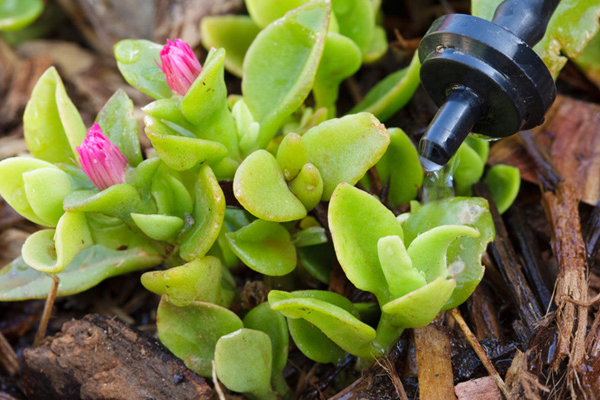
(437, 184)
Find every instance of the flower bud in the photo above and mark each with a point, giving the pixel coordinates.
(101, 160)
(180, 66)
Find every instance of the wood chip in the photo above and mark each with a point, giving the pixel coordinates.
(434, 363)
(477, 389)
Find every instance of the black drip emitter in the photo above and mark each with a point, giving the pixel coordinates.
(484, 76)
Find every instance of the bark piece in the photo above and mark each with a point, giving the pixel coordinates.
(481, 388)
(434, 363)
(101, 358)
(508, 263)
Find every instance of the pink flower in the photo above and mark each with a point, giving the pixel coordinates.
(180, 65)
(101, 160)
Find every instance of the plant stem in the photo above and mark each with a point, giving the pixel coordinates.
(387, 334)
(281, 386)
(47, 310)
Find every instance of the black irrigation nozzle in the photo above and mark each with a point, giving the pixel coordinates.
(484, 76)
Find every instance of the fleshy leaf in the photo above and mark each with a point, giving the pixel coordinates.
(311, 236)
(401, 166)
(469, 169)
(192, 332)
(52, 250)
(179, 152)
(17, 14)
(307, 186)
(45, 189)
(356, 21)
(263, 12)
(158, 227)
(171, 196)
(136, 60)
(345, 329)
(117, 201)
(259, 186)
(504, 182)
(317, 260)
(428, 251)
(292, 155)
(401, 276)
(120, 126)
(263, 318)
(235, 33)
(205, 104)
(243, 363)
(357, 221)
(198, 280)
(52, 125)
(341, 59)
(18, 281)
(265, 247)
(392, 93)
(480, 145)
(464, 254)
(209, 211)
(12, 186)
(313, 343)
(280, 66)
(344, 149)
(418, 308)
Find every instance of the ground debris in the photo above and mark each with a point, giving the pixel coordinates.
(126, 365)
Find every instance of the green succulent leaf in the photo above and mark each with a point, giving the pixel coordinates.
(235, 33)
(464, 254)
(281, 64)
(207, 218)
(263, 318)
(292, 155)
(589, 60)
(311, 236)
(480, 145)
(205, 104)
(192, 332)
(157, 226)
(341, 326)
(418, 308)
(428, 250)
(120, 126)
(392, 93)
(341, 59)
(357, 221)
(117, 201)
(265, 247)
(317, 260)
(18, 281)
(21, 185)
(401, 276)
(263, 12)
(308, 186)
(344, 149)
(52, 125)
(260, 188)
(504, 182)
(469, 169)
(356, 20)
(198, 280)
(52, 250)
(17, 14)
(171, 196)
(401, 166)
(243, 363)
(313, 343)
(137, 60)
(180, 152)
